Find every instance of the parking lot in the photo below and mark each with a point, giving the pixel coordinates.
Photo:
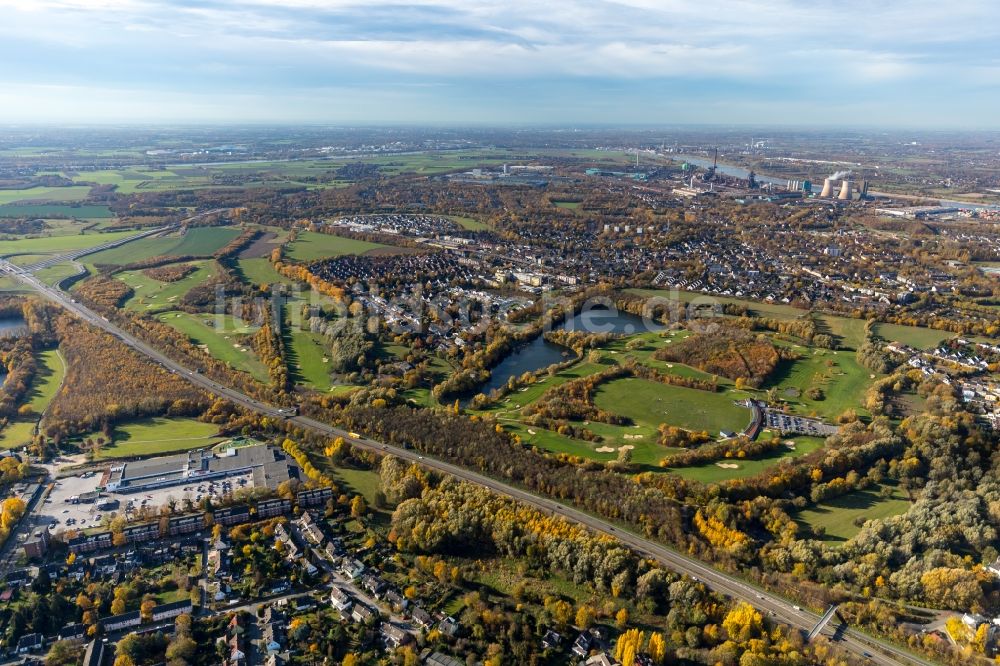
(62, 512)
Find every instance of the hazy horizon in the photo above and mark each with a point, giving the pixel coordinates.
(643, 63)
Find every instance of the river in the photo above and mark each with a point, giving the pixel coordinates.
(540, 353)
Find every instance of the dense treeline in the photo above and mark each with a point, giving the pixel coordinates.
(483, 445)
(739, 448)
(727, 351)
(18, 360)
(169, 272)
(107, 382)
(105, 291)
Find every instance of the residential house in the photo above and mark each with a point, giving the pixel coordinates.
(30, 643)
(352, 568)
(362, 614)
(449, 627)
(421, 617)
(551, 640)
(72, 632)
(394, 636)
(340, 599)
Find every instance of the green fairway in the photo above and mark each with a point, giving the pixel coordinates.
(918, 338)
(650, 403)
(158, 436)
(85, 212)
(74, 193)
(311, 246)
(837, 374)
(837, 516)
(740, 468)
(308, 359)
(569, 205)
(56, 244)
(226, 342)
(152, 295)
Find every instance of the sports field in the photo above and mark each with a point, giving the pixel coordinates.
(312, 246)
(468, 223)
(152, 295)
(837, 516)
(225, 343)
(158, 436)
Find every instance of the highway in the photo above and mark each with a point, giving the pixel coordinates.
(876, 651)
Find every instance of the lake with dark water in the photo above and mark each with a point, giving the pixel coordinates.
(12, 326)
(540, 353)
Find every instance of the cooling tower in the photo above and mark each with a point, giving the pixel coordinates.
(846, 189)
(828, 186)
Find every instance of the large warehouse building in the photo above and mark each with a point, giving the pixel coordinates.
(267, 465)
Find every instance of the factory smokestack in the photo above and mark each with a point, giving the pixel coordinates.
(846, 189)
(828, 186)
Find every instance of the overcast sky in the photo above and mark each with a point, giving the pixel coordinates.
(910, 63)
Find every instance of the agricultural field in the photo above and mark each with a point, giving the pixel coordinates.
(84, 212)
(73, 193)
(258, 271)
(57, 244)
(152, 295)
(158, 436)
(225, 342)
(199, 241)
(836, 517)
(312, 246)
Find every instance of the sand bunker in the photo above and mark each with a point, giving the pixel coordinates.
(727, 465)
(605, 449)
